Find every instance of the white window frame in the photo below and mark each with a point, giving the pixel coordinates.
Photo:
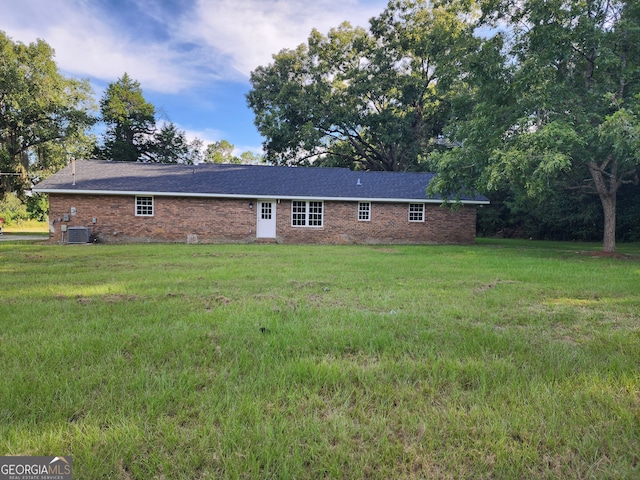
(364, 211)
(305, 214)
(144, 209)
(416, 212)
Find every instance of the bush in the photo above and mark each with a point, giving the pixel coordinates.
(38, 207)
(12, 209)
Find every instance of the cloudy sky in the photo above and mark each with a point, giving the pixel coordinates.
(192, 57)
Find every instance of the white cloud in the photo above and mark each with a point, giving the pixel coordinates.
(87, 46)
(248, 32)
(225, 39)
(207, 135)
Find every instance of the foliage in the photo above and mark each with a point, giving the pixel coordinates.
(223, 152)
(562, 215)
(555, 103)
(374, 100)
(220, 152)
(628, 226)
(12, 208)
(130, 121)
(38, 207)
(251, 158)
(170, 145)
(369, 363)
(132, 133)
(42, 113)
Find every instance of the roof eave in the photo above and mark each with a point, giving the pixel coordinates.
(226, 195)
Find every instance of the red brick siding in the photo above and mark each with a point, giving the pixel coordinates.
(219, 220)
(231, 220)
(389, 224)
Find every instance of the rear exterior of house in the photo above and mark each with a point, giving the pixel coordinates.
(117, 203)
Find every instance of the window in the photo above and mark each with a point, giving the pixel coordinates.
(306, 214)
(144, 206)
(416, 212)
(299, 214)
(266, 211)
(315, 214)
(364, 211)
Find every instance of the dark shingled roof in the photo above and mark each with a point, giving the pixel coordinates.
(248, 181)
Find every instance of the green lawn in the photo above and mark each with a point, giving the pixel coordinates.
(500, 360)
(26, 226)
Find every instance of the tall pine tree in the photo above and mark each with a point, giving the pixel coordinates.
(130, 121)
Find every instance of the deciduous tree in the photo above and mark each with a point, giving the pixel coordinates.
(556, 102)
(43, 115)
(220, 152)
(374, 100)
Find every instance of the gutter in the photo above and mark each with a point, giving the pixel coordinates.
(250, 196)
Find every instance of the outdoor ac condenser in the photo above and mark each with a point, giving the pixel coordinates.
(78, 235)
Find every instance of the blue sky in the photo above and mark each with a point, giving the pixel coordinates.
(192, 57)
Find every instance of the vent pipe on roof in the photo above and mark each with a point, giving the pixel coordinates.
(73, 170)
(359, 183)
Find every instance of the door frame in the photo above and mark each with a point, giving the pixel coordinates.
(266, 228)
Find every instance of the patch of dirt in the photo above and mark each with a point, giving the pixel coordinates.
(483, 287)
(114, 298)
(36, 257)
(222, 300)
(120, 298)
(172, 294)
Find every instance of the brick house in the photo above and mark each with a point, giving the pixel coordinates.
(208, 203)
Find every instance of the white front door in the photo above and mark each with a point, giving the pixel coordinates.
(266, 219)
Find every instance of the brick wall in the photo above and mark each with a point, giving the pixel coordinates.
(206, 220)
(389, 223)
(174, 219)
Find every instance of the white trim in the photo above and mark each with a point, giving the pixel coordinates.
(368, 219)
(308, 213)
(259, 197)
(421, 212)
(136, 205)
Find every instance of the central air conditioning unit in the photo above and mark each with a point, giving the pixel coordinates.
(78, 235)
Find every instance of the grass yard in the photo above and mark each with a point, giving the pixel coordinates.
(26, 227)
(505, 359)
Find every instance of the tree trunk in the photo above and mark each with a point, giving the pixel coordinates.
(609, 209)
(607, 198)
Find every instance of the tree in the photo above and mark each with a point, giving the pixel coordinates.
(130, 122)
(220, 152)
(132, 134)
(374, 100)
(170, 145)
(557, 103)
(250, 158)
(42, 113)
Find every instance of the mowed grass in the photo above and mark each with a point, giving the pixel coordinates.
(26, 226)
(499, 360)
